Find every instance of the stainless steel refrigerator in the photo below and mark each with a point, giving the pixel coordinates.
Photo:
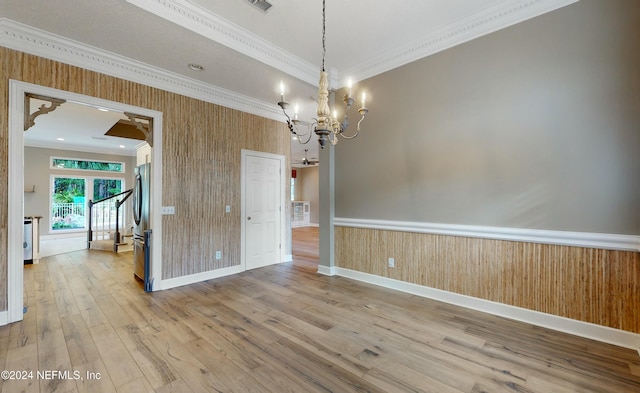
(141, 200)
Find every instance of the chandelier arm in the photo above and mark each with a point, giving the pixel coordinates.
(345, 122)
(289, 122)
(305, 142)
(350, 136)
(297, 129)
(313, 126)
(348, 102)
(308, 132)
(357, 129)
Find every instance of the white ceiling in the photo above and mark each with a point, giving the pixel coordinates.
(246, 52)
(75, 126)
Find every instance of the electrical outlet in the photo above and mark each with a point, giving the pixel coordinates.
(218, 254)
(392, 262)
(227, 209)
(168, 210)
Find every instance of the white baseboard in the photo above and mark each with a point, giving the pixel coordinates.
(583, 329)
(327, 271)
(4, 318)
(204, 276)
(288, 258)
(198, 277)
(67, 235)
(566, 238)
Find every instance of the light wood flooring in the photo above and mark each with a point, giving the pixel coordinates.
(282, 328)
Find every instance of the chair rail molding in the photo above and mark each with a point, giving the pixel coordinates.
(564, 238)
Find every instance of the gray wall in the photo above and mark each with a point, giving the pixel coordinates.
(308, 191)
(534, 126)
(37, 172)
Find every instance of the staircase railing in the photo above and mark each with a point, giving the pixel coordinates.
(105, 217)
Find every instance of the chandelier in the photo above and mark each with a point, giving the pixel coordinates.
(326, 127)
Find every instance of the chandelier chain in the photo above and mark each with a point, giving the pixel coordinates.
(324, 48)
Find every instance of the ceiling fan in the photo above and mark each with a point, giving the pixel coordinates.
(308, 162)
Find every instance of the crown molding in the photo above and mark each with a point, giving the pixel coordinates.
(200, 20)
(191, 16)
(500, 16)
(20, 37)
(27, 39)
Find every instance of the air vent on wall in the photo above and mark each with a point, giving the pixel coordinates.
(263, 5)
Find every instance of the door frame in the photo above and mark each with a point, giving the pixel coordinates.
(243, 197)
(15, 263)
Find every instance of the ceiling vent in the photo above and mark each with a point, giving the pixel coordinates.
(263, 5)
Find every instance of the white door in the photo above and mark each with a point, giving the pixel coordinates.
(262, 209)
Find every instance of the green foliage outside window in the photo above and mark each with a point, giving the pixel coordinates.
(103, 188)
(65, 189)
(68, 203)
(87, 165)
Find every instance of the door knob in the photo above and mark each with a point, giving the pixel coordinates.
(249, 218)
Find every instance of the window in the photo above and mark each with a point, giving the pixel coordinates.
(293, 188)
(68, 203)
(104, 188)
(86, 165)
(70, 197)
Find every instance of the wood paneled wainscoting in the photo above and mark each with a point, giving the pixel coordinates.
(591, 285)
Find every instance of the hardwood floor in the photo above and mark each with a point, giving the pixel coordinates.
(282, 328)
(305, 246)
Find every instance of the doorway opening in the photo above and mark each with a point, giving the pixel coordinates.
(305, 217)
(18, 93)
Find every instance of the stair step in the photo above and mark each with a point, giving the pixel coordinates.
(107, 245)
(126, 247)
